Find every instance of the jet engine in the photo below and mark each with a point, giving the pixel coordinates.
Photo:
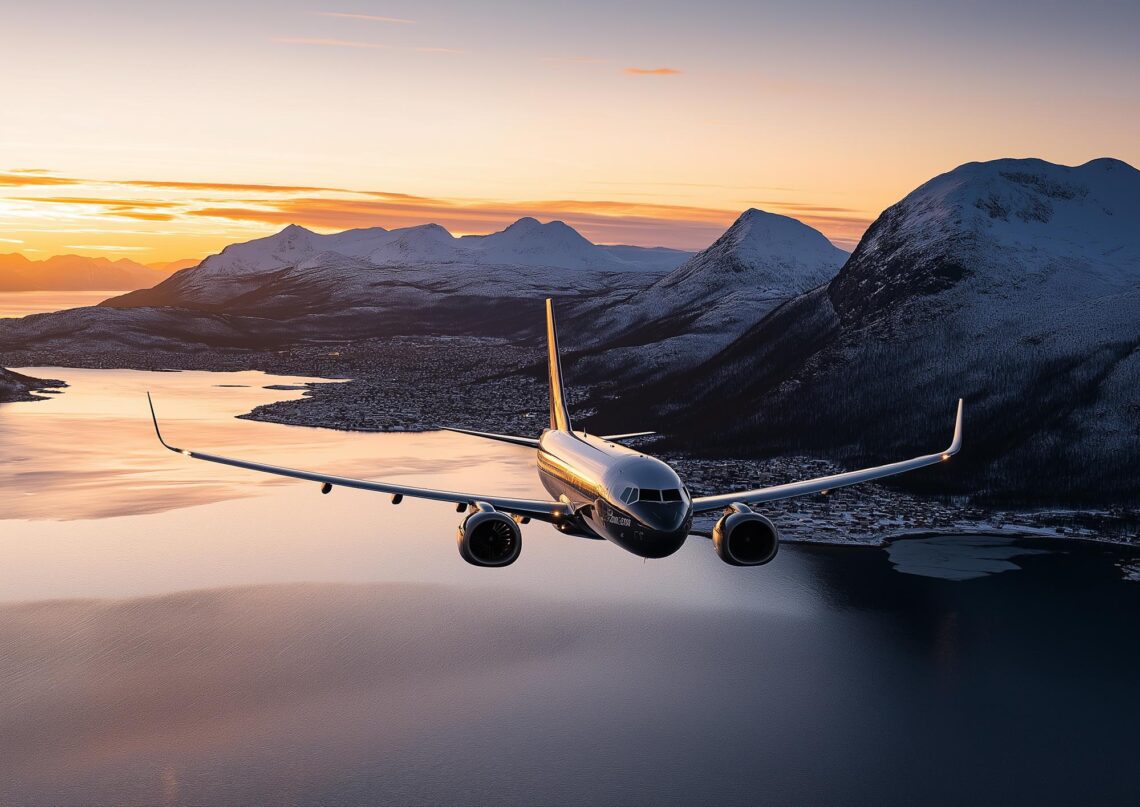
(745, 538)
(489, 538)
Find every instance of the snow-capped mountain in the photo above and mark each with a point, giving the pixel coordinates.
(354, 262)
(1014, 284)
(1007, 227)
(762, 260)
(770, 254)
(524, 243)
(75, 273)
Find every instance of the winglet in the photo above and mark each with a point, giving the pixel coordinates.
(956, 442)
(154, 417)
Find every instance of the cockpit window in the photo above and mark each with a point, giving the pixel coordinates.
(632, 495)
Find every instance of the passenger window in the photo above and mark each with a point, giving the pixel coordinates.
(650, 495)
(671, 495)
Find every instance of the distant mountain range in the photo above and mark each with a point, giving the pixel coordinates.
(1014, 284)
(79, 273)
(298, 271)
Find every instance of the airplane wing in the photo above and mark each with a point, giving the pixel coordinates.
(703, 504)
(526, 508)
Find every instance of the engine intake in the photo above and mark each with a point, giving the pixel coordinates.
(489, 538)
(745, 538)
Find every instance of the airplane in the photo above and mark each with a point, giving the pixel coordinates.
(601, 490)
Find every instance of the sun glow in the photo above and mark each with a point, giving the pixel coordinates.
(227, 125)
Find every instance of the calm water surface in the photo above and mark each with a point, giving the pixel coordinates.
(175, 632)
(22, 303)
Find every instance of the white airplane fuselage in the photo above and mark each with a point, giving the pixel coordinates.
(595, 478)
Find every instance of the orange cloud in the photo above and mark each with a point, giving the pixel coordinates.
(22, 178)
(652, 71)
(92, 200)
(222, 186)
(140, 216)
(327, 208)
(604, 222)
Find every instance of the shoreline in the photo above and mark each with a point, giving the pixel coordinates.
(402, 385)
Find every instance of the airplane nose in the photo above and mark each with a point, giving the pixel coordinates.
(664, 518)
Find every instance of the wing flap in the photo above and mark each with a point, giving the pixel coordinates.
(704, 504)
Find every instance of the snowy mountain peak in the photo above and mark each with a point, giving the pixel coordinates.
(530, 242)
(765, 250)
(526, 223)
(532, 230)
(1003, 227)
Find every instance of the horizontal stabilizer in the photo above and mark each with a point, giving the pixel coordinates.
(614, 438)
(531, 442)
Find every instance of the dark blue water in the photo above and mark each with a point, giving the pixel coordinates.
(866, 681)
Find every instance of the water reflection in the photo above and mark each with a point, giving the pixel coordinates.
(289, 647)
(91, 452)
(23, 303)
(388, 693)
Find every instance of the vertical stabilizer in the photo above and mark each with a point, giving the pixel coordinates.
(559, 417)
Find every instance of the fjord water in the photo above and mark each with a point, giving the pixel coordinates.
(179, 632)
(23, 303)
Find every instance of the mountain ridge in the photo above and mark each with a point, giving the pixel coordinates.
(1012, 283)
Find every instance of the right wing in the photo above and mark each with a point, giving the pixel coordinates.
(703, 504)
(526, 508)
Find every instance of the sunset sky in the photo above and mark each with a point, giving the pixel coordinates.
(159, 131)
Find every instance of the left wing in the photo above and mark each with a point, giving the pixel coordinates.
(526, 508)
(703, 504)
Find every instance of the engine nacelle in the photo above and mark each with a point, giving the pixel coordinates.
(489, 538)
(745, 538)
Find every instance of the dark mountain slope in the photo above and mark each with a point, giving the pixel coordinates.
(1013, 283)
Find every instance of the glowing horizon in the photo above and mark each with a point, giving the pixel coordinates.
(44, 214)
(169, 134)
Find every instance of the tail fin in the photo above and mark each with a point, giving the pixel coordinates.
(559, 417)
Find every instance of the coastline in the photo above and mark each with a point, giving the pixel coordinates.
(421, 384)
